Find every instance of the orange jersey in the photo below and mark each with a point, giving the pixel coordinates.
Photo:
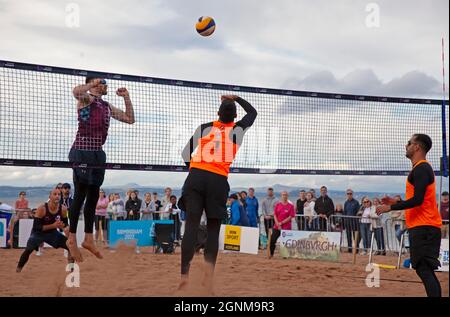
(427, 213)
(216, 150)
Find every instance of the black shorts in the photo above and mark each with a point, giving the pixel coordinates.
(53, 237)
(103, 220)
(425, 243)
(207, 191)
(89, 176)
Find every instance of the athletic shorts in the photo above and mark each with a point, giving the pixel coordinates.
(207, 191)
(89, 176)
(53, 237)
(425, 243)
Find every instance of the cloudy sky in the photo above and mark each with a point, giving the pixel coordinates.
(331, 46)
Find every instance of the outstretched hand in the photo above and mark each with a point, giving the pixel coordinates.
(386, 200)
(122, 92)
(382, 209)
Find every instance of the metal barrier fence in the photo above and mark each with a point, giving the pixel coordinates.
(387, 232)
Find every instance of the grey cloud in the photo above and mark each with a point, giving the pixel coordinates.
(414, 84)
(365, 82)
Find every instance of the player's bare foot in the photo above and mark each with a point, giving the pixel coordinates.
(208, 278)
(89, 245)
(183, 283)
(74, 251)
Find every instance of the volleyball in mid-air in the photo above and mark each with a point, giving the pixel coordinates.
(205, 26)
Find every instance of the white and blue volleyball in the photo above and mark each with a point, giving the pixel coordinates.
(205, 26)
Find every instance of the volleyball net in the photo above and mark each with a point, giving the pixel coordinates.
(296, 132)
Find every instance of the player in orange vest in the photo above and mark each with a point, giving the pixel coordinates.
(206, 188)
(421, 214)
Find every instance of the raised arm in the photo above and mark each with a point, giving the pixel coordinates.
(250, 116)
(246, 122)
(81, 93)
(126, 116)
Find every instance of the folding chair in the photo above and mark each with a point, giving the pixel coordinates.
(164, 239)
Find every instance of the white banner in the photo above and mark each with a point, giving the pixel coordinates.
(25, 226)
(239, 239)
(3, 232)
(443, 256)
(312, 245)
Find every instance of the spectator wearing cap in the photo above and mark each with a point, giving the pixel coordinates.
(238, 214)
(444, 214)
(66, 199)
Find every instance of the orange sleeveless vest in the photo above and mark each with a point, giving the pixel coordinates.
(216, 151)
(426, 214)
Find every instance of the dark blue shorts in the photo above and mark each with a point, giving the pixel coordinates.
(53, 237)
(89, 176)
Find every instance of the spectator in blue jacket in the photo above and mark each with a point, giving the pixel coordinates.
(238, 214)
(252, 208)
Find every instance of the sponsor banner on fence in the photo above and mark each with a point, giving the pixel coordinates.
(3, 231)
(443, 256)
(232, 238)
(141, 232)
(239, 239)
(311, 245)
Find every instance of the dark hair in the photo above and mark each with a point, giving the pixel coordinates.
(155, 193)
(173, 196)
(243, 192)
(89, 79)
(234, 196)
(227, 111)
(445, 194)
(324, 187)
(270, 188)
(424, 141)
(302, 191)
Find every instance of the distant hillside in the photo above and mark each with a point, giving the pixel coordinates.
(37, 195)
